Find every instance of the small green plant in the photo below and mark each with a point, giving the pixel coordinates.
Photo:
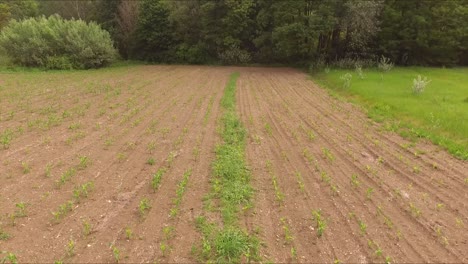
(5, 138)
(82, 191)
(26, 167)
(150, 161)
(354, 181)
(414, 210)
(121, 156)
(320, 222)
(156, 179)
(327, 153)
(144, 206)
(71, 248)
(84, 162)
(362, 226)
(440, 206)
(21, 209)
(66, 176)
(300, 181)
(164, 248)
(115, 253)
(128, 233)
(10, 257)
(268, 129)
(293, 253)
(151, 146)
(4, 235)
(369, 192)
(168, 232)
(87, 227)
(288, 238)
(48, 170)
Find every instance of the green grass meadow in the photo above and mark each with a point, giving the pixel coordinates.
(440, 113)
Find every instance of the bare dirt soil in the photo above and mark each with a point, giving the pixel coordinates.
(406, 202)
(381, 198)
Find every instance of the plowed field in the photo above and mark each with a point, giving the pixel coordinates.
(116, 165)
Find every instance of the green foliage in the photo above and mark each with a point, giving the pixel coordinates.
(153, 32)
(55, 43)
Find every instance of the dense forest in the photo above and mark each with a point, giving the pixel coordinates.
(296, 32)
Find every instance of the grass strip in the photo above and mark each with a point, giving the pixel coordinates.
(231, 187)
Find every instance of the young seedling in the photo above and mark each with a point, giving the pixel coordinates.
(300, 181)
(4, 235)
(10, 257)
(26, 167)
(150, 161)
(48, 170)
(327, 153)
(128, 233)
(288, 238)
(71, 248)
(354, 181)
(115, 253)
(21, 209)
(369, 192)
(414, 210)
(164, 248)
(156, 179)
(144, 206)
(320, 222)
(87, 228)
(151, 147)
(362, 226)
(84, 162)
(268, 129)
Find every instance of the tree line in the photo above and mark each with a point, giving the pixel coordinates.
(299, 32)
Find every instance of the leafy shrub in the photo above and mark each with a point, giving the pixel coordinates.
(56, 43)
(419, 84)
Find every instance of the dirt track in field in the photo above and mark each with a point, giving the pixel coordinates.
(411, 198)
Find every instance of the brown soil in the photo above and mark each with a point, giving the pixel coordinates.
(294, 124)
(119, 118)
